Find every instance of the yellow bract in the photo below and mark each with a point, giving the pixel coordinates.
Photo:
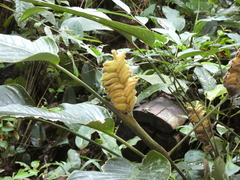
(118, 84)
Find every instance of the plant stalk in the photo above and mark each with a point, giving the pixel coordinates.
(128, 119)
(127, 144)
(79, 135)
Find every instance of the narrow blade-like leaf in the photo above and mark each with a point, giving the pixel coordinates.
(145, 35)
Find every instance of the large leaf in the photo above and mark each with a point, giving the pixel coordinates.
(21, 7)
(193, 52)
(14, 49)
(174, 16)
(231, 168)
(86, 24)
(14, 94)
(80, 142)
(146, 35)
(82, 113)
(107, 126)
(218, 90)
(200, 5)
(154, 167)
(110, 143)
(150, 90)
(170, 82)
(205, 78)
(219, 172)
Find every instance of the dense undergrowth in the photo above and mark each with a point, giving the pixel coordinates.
(56, 121)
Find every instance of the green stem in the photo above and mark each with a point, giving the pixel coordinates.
(200, 122)
(127, 144)
(129, 120)
(84, 85)
(79, 135)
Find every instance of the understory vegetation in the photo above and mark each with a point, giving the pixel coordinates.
(58, 118)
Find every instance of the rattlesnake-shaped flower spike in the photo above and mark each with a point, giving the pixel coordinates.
(118, 84)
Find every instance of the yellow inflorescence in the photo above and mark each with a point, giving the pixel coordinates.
(232, 78)
(195, 115)
(118, 84)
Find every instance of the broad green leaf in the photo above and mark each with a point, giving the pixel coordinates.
(107, 126)
(174, 16)
(72, 163)
(205, 78)
(69, 95)
(35, 164)
(218, 90)
(141, 19)
(145, 35)
(222, 130)
(31, 11)
(38, 135)
(218, 144)
(87, 132)
(192, 52)
(211, 67)
(149, 10)
(49, 17)
(110, 143)
(194, 156)
(88, 75)
(234, 36)
(82, 113)
(219, 172)
(132, 142)
(22, 174)
(4, 144)
(231, 168)
(154, 167)
(89, 25)
(166, 24)
(19, 49)
(155, 79)
(193, 164)
(21, 7)
(199, 26)
(86, 24)
(150, 90)
(73, 159)
(173, 36)
(189, 53)
(201, 5)
(122, 5)
(20, 80)
(185, 129)
(14, 94)
(115, 168)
